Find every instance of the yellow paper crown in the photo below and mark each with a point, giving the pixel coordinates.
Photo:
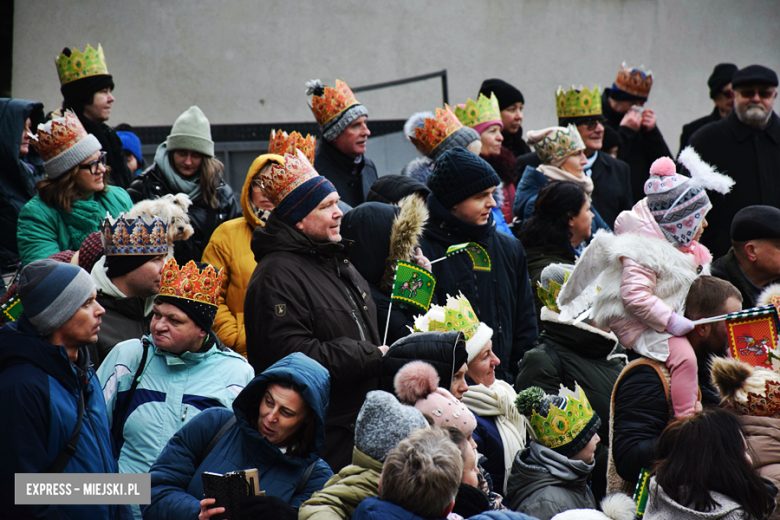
(578, 104)
(333, 102)
(281, 143)
(483, 111)
(280, 181)
(634, 81)
(561, 426)
(190, 283)
(76, 66)
(436, 130)
(457, 315)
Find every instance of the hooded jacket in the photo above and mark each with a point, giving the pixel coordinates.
(39, 393)
(352, 178)
(501, 298)
(230, 248)
(544, 483)
(17, 175)
(308, 297)
(177, 487)
(373, 508)
(445, 351)
(390, 189)
(155, 182)
(660, 506)
(763, 437)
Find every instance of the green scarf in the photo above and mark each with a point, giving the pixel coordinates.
(85, 217)
(177, 183)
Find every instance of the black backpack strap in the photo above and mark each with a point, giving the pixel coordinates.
(304, 479)
(214, 440)
(118, 426)
(556, 360)
(69, 449)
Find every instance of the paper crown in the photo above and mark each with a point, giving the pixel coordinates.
(549, 297)
(559, 144)
(135, 236)
(57, 135)
(484, 110)
(76, 66)
(282, 143)
(634, 81)
(562, 425)
(457, 315)
(190, 283)
(578, 104)
(333, 102)
(279, 181)
(436, 130)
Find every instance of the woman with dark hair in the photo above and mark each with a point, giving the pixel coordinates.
(185, 163)
(279, 430)
(558, 227)
(703, 470)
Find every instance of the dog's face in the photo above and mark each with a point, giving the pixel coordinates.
(170, 208)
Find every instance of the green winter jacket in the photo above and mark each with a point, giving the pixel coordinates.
(43, 230)
(345, 490)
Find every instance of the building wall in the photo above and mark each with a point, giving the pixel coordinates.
(246, 61)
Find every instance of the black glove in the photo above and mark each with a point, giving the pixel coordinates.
(261, 507)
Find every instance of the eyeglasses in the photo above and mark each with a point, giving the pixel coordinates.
(750, 93)
(257, 185)
(592, 125)
(93, 166)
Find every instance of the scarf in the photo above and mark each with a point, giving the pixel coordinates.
(177, 183)
(556, 174)
(85, 217)
(701, 255)
(473, 232)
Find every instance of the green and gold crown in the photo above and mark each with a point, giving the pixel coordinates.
(484, 110)
(563, 423)
(559, 144)
(76, 66)
(578, 104)
(456, 315)
(549, 297)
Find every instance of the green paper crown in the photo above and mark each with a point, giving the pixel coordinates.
(76, 66)
(559, 144)
(485, 109)
(549, 297)
(561, 426)
(578, 104)
(460, 318)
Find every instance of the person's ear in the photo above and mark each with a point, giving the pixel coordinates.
(203, 333)
(448, 510)
(299, 225)
(703, 329)
(750, 251)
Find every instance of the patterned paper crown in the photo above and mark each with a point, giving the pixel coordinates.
(281, 143)
(484, 110)
(333, 102)
(634, 81)
(456, 315)
(559, 144)
(135, 236)
(57, 135)
(280, 181)
(190, 283)
(562, 425)
(549, 297)
(436, 130)
(761, 405)
(78, 65)
(578, 104)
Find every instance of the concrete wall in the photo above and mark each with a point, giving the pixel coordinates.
(245, 61)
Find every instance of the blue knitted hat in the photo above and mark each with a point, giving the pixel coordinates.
(459, 174)
(303, 199)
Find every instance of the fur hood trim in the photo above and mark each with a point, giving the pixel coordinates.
(405, 235)
(770, 291)
(729, 376)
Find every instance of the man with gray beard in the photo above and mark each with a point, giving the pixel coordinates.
(746, 146)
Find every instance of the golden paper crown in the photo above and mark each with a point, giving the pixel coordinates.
(57, 135)
(78, 65)
(457, 315)
(484, 110)
(280, 181)
(135, 236)
(578, 104)
(333, 102)
(190, 283)
(561, 426)
(436, 130)
(634, 81)
(281, 143)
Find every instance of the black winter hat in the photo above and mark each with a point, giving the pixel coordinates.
(754, 75)
(755, 223)
(459, 174)
(506, 94)
(201, 313)
(720, 77)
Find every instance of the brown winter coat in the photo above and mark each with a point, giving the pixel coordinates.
(307, 297)
(763, 437)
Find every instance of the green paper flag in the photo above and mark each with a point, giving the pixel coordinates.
(12, 308)
(479, 256)
(641, 492)
(413, 285)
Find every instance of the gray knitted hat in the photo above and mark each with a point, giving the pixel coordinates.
(383, 422)
(462, 137)
(191, 131)
(51, 292)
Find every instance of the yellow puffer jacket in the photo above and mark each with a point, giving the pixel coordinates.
(230, 249)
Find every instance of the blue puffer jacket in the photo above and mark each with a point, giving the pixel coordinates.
(177, 487)
(374, 509)
(502, 515)
(39, 389)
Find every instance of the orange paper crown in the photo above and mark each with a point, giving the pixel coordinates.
(333, 102)
(280, 181)
(57, 135)
(436, 130)
(281, 143)
(634, 81)
(190, 283)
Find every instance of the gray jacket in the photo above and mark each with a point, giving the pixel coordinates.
(544, 483)
(661, 507)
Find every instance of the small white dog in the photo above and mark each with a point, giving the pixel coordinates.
(170, 208)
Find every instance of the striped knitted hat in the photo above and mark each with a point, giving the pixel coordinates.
(52, 292)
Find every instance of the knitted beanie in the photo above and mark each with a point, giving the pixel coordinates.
(131, 143)
(676, 205)
(331, 125)
(460, 138)
(63, 143)
(383, 422)
(191, 131)
(506, 94)
(118, 265)
(51, 292)
(417, 120)
(459, 174)
(720, 77)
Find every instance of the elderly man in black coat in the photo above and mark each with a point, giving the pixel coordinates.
(746, 146)
(720, 93)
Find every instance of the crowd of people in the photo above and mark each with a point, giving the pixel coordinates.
(156, 322)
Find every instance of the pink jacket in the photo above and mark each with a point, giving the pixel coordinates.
(637, 288)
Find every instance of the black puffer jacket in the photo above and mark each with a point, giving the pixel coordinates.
(445, 351)
(204, 219)
(111, 144)
(308, 297)
(501, 298)
(352, 179)
(392, 188)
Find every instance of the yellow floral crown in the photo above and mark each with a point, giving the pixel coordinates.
(81, 65)
(578, 104)
(562, 425)
(483, 111)
(559, 144)
(457, 315)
